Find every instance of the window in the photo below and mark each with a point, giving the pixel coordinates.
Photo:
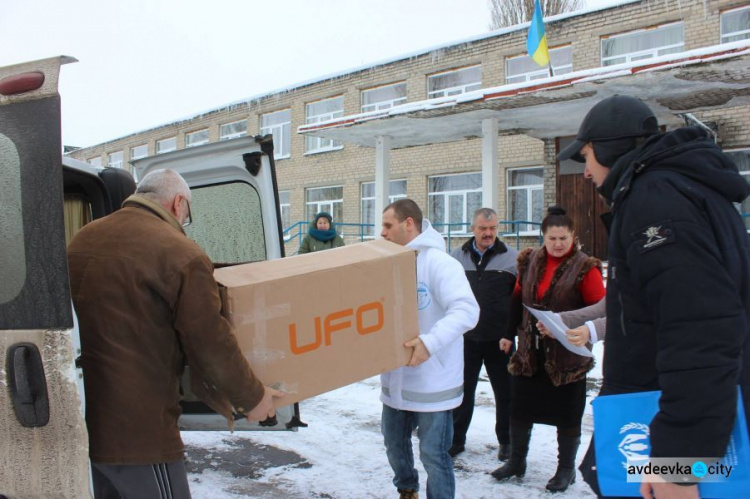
(397, 190)
(196, 138)
(741, 158)
(385, 97)
(114, 159)
(328, 199)
(233, 130)
(735, 25)
(643, 44)
(166, 145)
(285, 207)
(452, 200)
(138, 152)
(454, 82)
(523, 68)
(239, 205)
(279, 124)
(317, 112)
(526, 197)
(96, 162)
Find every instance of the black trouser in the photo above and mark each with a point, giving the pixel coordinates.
(496, 365)
(147, 481)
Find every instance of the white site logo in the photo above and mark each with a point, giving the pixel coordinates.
(635, 444)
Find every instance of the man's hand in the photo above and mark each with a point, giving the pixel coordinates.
(665, 490)
(420, 354)
(506, 345)
(264, 409)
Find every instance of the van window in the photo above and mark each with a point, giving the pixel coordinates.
(228, 223)
(13, 254)
(77, 213)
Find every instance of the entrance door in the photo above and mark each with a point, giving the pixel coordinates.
(584, 205)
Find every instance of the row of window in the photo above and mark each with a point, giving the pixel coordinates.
(451, 200)
(618, 49)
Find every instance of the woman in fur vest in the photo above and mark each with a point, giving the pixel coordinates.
(549, 381)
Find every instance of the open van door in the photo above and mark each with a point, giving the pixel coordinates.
(43, 439)
(236, 219)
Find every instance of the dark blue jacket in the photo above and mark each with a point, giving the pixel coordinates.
(492, 278)
(678, 291)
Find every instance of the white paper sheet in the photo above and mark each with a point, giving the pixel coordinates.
(555, 325)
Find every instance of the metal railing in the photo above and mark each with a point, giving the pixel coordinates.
(450, 231)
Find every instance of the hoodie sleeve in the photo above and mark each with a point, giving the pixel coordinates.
(453, 294)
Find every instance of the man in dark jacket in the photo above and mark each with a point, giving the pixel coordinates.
(678, 289)
(147, 304)
(491, 270)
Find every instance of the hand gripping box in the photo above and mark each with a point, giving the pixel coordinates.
(315, 322)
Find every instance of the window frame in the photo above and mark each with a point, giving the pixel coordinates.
(337, 217)
(159, 150)
(745, 32)
(285, 131)
(465, 230)
(233, 135)
(362, 199)
(96, 161)
(457, 89)
(117, 163)
(383, 104)
(133, 157)
(285, 208)
(509, 188)
(540, 73)
(650, 53)
(319, 118)
(190, 135)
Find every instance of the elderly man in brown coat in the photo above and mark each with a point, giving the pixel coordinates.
(147, 305)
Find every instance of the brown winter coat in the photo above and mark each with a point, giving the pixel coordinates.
(561, 365)
(147, 304)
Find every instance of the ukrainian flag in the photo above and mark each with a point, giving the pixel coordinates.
(536, 43)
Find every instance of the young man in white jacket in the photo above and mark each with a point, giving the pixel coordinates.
(423, 394)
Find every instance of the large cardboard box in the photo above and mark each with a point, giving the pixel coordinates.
(315, 322)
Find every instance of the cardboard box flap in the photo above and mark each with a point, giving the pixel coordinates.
(251, 273)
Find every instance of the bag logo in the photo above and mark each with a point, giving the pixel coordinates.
(635, 445)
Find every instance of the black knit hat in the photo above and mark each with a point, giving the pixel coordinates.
(323, 214)
(614, 118)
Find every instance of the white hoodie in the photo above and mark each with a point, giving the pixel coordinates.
(447, 309)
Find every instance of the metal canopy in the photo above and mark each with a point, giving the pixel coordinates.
(711, 78)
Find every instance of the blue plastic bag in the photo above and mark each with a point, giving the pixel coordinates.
(621, 432)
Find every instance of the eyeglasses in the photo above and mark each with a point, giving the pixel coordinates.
(189, 218)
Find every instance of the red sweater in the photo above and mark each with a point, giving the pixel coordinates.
(592, 286)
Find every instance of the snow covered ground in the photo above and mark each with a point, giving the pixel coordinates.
(341, 454)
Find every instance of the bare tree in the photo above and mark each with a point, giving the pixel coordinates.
(511, 12)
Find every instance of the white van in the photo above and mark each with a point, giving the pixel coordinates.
(44, 199)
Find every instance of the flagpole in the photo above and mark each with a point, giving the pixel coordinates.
(551, 71)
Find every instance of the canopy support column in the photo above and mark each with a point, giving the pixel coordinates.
(490, 173)
(382, 178)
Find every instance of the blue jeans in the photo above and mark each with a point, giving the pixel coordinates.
(435, 432)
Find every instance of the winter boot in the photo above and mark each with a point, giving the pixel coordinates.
(408, 494)
(519, 448)
(566, 460)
